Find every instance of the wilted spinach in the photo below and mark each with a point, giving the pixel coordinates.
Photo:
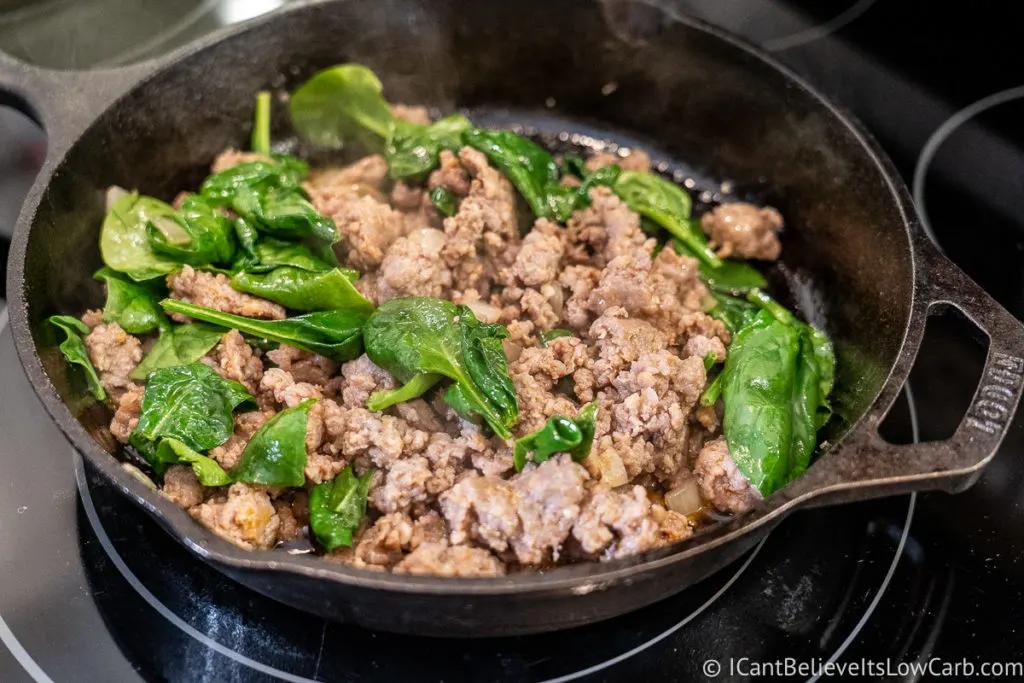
(341, 104)
(190, 403)
(124, 237)
(269, 253)
(333, 334)
(276, 453)
(443, 200)
(134, 306)
(413, 149)
(303, 290)
(414, 336)
(173, 452)
(414, 388)
(179, 345)
(75, 352)
(668, 205)
(197, 234)
(337, 507)
(527, 165)
(560, 434)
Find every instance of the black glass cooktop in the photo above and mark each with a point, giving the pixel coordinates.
(92, 590)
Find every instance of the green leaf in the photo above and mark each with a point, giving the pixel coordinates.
(220, 189)
(337, 507)
(414, 388)
(133, 306)
(179, 345)
(575, 165)
(413, 150)
(733, 277)
(545, 337)
(303, 290)
(276, 453)
(443, 201)
(197, 234)
(527, 165)
(190, 403)
(288, 214)
(333, 334)
(778, 311)
(560, 434)
(734, 313)
(174, 452)
(261, 124)
(269, 253)
(75, 352)
(124, 238)
(666, 204)
(420, 335)
(341, 104)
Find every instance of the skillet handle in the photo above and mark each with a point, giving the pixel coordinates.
(64, 103)
(866, 466)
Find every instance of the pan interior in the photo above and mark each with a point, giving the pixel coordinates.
(707, 108)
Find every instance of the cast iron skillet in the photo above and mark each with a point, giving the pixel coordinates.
(681, 87)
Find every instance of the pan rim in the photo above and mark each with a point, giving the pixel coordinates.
(579, 578)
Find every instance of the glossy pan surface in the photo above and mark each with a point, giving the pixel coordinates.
(631, 71)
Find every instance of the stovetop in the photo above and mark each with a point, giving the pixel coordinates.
(92, 590)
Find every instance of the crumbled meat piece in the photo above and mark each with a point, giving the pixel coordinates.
(233, 359)
(549, 498)
(129, 408)
(702, 346)
(246, 424)
(700, 324)
(419, 414)
(493, 462)
(245, 517)
(405, 483)
(368, 172)
(182, 487)
(290, 528)
(442, 560)
(482, 510)
(721, 482)
(743, 230)
(620, 340)
(616, 524)
(580, 281)
(212, 290)
(635, 160)
(361, 378)
(231, 157)
(539, 256)
(605, 229)
(321, 464)
(413, 267)
(92, 318)
(676, 291)
(450, 175)
(284, 390)
(533, 374)
(672, 526)
(708, 418)
(410, 113)
(115, 354)
(384, 542)
(406, 197)
(367, 227)
(303, 366)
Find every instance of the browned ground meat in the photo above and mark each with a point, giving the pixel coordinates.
(212, 290)
(412, 114)
(743, 230)
(232, 157)
(634, 160)
(444, 496)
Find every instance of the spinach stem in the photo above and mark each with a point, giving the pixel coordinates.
(261, 124)
(711, 394)
(759, 297)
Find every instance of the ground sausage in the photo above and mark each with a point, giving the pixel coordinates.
(743, 230)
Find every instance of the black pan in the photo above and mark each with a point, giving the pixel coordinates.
(620, 69)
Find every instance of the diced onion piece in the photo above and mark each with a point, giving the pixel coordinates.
(432, 241)
(172, 231)
(685, 498)
(553, 293)
(485, 312)
(512, 349)
(113, 194)
(610, 465)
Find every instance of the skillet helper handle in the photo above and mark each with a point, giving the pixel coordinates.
(867, 466)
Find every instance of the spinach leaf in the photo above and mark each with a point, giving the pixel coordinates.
(303, 290)
(414, 388)
(179, 345)
(333, 334)
(527, 165)
(220, 189)
(420, 335)
(564, 200)
(778, 311)
(772, 387)
(341, 104)
(133, 306)
(559, 434)
(197, 234)
(443, 201)
(574, 164)
(337, 507)
(734, 277)
(824, 357)
(413, 149)
(545, 337)
(261, 124)
(286, 213)
(666, 204)
(269, 253)
(734, 313)
(124, 237)
(173, 452)
(276, 453)
(247, 243)
(190, 403)
(75, 352)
